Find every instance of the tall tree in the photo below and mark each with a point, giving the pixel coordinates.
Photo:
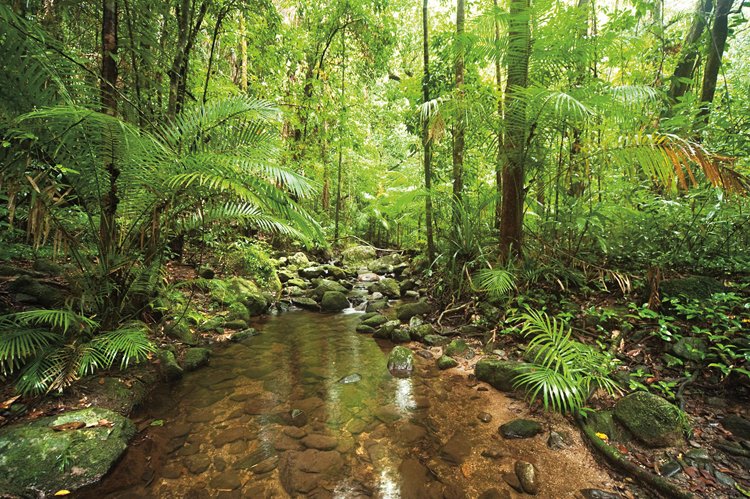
(426, 140)
(499, 158)
(108, 85)
(717, 43)
(688, 58)
(513, 175)
(459, 129)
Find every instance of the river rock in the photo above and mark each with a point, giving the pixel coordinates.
(512, 480)
(302, 471)
(388, 287)
(520, 428)
(501, 374)
(195, 358)
(400, 335)
(375, 321)
(494, 494)
(377, 305)
(320, 442)
(599, 494)
(357, 255)
(365, 329)
(457, 448)
(168, 366)
(434, 340)
(36, 458)
(555, 441)
(385, 264)
(446, 362)
(456, 348)
(181, 332)
(651, 419)
(310, 272)
(419, 332)
(324, 286)
(238, 289)
(400, 361)
(334, 301)
(306, 303)
(409, 310)
(527, 476)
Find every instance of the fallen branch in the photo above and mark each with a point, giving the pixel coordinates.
(450, 311)
(616, 459)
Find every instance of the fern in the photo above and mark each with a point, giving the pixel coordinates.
(497, 283)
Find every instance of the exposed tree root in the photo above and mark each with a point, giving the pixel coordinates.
(617, 460)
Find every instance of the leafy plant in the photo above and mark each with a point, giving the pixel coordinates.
(563, 372)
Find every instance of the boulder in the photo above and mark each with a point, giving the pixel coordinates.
(409, 310)
(365, 329)
(456, 348)
(419, 332)
(238, 311)
(42, 294)
(195, 358)
(310, 272)
(400, 335)
(37, 459)
(400, 361)
(334, 301)
(375, 321)
(298, 259)
(377, 305)
(651, 419)
(385, 264)
(206, 272)
(48, 267)
(737, 425)
(434, 340)
(306, 303)
(501, 374)
(181, 332)
(356, 255)
(335, 272)
(520, 428)
(325, 285)
(388, 287)
(237, 289)
(690, 348)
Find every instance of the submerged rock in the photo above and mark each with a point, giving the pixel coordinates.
(401, 361)
(651, 419)
(195, 358)
(520, 428)
(34, 457)
(168, 366)
(527, 476)
(457, 448)
(352, 378)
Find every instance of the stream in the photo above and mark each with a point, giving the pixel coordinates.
(308, 408)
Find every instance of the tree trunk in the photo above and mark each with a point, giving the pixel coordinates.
(519, 48)
(459, 130)
(183, 30)
(718, 42)
(499, 159)
(341, 138)
(243, 54)
(108, 86)
(688, 59)
(426, 141)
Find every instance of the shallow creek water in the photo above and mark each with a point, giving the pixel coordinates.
(272, 417)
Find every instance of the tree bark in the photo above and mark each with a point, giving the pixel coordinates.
(108, 87)
(688, 59)
(341, 137)
(499, 159)
(719, 32)
(459, 130)
(519, 49)
(426, 141)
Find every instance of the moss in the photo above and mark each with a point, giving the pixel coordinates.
(46, 296)
(400, 335)
(501, 374)
(375, 321)
(334, 301)
(239, 311)
(37, 458)
(181, 332)
(445, 362)
(239, 290)
(419, 332)
(168, 366)
(605, 423)
(456, 347)
(358, 254)
(195, 358)
(651, 419)
(409, 310)
(388, 287)
(324, 286)
(400, 360)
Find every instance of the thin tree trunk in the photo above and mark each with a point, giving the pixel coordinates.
(183, 30)
(519, 48)
(185, 68)
(341, 137)
(243, 54)
(719, 32)
(499, 160)
(426, 142)
(688, 60)
(459, 130)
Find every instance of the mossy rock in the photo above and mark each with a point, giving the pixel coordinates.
(112, 393)
(445, 362)
(456, 347)
(311, 272)
(238, 311)
(409, 310)
(243, 335)
(37, 459)
(501, 374)
(206, 272)
(324, 286)
(690, 348)
(298, 259)
(335, 272)
(388, 287)
(376, 305)
(356, 255)
(376, 320)
(385, 264)
(334, 301)
(235, 324)
(214, 324)
(181, 332)
(299, 283)
(195, 358)
(168, 366)
(419, 332)
(237, 289)
(48, 267)
(305, 302)
(697, 287)
(368, 315)
(400, 335)
(46, 296)
(651, 419)
(604, 422)
(365, 329)
(386, 330)
(434, 340)
(400, 361)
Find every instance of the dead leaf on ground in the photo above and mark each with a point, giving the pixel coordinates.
(73, 425)
(9, 402)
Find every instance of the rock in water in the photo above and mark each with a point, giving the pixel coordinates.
(527, 475)
(352, 378)
(409, 310)
(651, 419)
(37, 458)
(401, 361)
(195, 358)
(520, 428)
(334, 301)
